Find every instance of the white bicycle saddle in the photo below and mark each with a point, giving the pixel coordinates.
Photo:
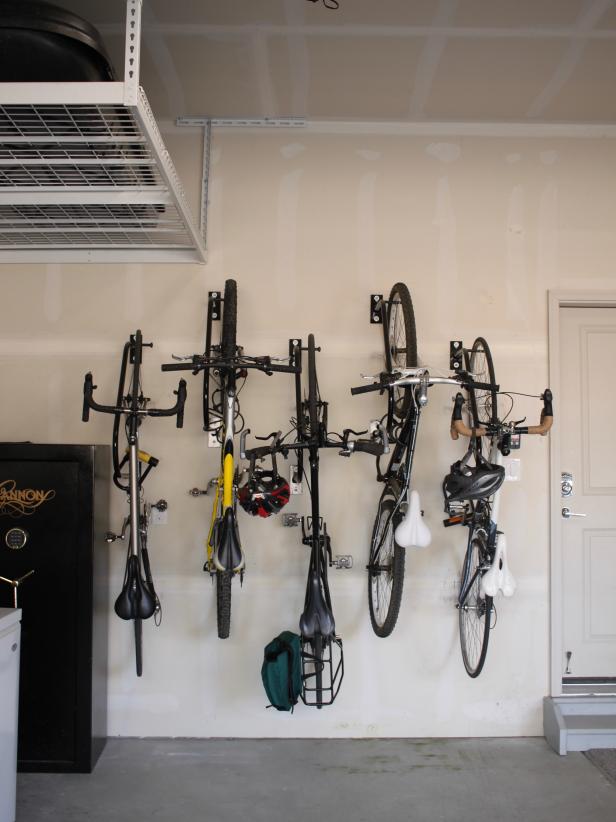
(413, 531)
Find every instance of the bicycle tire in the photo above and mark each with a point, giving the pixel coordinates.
(229, 320)
(474, 611)
(483, 403)
(400, 342)
(138, 645)
(385, 588)
(313, 389)
(223, 603)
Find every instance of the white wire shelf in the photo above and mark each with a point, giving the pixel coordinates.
(85, 176)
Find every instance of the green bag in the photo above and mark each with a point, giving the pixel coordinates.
(281, 671)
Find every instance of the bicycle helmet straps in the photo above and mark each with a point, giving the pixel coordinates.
(136, 600)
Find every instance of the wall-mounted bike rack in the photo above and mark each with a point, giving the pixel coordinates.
(376, 318)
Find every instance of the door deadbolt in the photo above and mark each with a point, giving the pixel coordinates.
(566, 484)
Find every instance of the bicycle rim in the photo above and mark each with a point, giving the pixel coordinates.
(475, 610)
(223, 603)
(483, 403)
(229, 320)
(138, 646)
(385, 570)
(400, 342)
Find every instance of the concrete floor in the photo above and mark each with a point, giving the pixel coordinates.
(500, 780)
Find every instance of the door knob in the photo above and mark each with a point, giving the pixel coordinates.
(568, 513)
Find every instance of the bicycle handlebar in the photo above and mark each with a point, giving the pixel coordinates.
(198, 364)
(90, 403)
(392, 380)
(458, 426)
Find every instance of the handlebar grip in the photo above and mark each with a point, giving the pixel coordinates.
(373, 447)
(547, 403)
(482, 386)
(364, 389)
(457, 407)
(178, 366)
(87, 393)
(181, 392)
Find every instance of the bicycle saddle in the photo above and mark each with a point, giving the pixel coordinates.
(317, 617)
(228, 555)
(136, 600)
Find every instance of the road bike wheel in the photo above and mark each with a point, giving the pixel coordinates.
(138, 645)
(385, 570)
(313, 388)
(223, 603)
(229, 320)
(484, 408)
(474, 609)
(400, 342)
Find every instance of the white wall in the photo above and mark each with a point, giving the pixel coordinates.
(309, 224)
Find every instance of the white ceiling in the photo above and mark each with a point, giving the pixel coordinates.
(481, 61)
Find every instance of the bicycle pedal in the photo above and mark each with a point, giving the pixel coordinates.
(342, 561)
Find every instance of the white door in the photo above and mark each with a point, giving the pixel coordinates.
(585, 413)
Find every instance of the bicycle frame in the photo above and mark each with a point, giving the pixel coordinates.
(138, 599)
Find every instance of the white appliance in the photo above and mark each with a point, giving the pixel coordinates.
(10, 633)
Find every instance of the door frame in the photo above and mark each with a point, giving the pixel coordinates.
(558, 299)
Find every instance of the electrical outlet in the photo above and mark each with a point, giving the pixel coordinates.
(295, 481)
(158, 517)
(513, 470)
(212, 440)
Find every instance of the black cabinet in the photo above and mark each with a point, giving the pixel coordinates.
(54, 512)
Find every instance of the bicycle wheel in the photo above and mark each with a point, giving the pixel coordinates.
(483, 403)
(313, 388)
(223, 603)
(400, 342)
(385, 570)
(138, 645)
(474, 610)
(229, 320)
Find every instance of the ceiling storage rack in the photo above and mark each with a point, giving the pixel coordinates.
(85, 175)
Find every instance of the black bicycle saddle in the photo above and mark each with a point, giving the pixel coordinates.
(136, 599)
(228, 555)
(317, 617)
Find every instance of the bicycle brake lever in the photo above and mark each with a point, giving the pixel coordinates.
(243, 436)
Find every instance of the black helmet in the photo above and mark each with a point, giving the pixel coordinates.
(265, 493)
(472, 482)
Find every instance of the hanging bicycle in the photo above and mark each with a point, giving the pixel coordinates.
(399, 524)
(322, 656)
(223, 365)
(138, 599)
(472, 492)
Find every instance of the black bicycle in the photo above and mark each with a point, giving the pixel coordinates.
(322, 648)
(224, 366)
(472, 498)
(398, 524)
(138, 599)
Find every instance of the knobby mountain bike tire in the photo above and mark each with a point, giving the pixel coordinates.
(229, 320)
(483, 403)
(400, 337)
(223, 603)
(138, 624)
(385, 570)
(474, 609)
